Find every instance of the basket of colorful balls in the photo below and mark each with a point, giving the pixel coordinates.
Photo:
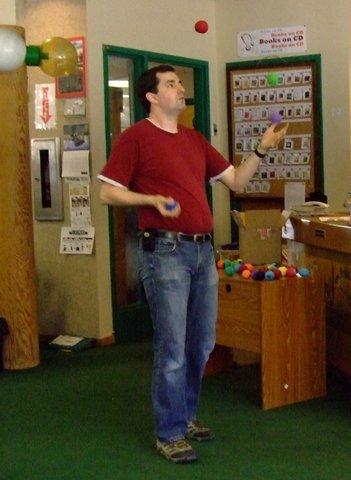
(263, 272)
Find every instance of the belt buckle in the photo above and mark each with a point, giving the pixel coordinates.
(170, 235)
(199, 237)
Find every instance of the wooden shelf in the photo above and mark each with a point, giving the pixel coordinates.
(333, 234)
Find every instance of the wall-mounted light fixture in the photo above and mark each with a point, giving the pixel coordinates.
(56, 56)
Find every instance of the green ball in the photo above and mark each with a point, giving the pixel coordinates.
(236, 267)
(229, 271)
(272, 79)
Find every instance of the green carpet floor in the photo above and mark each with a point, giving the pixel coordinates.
(87, 416)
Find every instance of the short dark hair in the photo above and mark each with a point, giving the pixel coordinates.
(148, 82)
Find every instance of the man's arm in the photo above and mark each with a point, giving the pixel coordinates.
(237, 178)
(122, 197)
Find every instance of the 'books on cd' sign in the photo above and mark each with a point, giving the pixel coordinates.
(271, 41)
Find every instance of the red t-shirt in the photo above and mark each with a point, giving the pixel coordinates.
(149, 160)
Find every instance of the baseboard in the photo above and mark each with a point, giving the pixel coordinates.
(45, 339)
(105, 341)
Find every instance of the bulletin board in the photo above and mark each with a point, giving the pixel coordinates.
(296, 95)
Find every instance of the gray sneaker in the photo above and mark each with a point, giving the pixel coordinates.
(178, 451)
(197, 431)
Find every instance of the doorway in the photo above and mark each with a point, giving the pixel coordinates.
(122, 67)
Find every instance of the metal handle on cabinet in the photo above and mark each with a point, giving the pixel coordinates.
(319, 232)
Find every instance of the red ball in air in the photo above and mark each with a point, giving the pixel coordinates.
(201, 26)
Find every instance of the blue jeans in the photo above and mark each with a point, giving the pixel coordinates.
(181, 285)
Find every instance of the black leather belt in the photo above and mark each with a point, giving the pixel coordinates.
(196, 237)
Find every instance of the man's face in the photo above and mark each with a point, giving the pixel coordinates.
(170, 93)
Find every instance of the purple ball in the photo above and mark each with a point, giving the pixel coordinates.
(260, 275)
(275, 117)
(254, 274)
(171, 205)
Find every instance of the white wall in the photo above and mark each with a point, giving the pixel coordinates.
(8, 12)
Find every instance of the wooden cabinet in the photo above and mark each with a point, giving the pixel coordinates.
(283, 321)
(325, 248)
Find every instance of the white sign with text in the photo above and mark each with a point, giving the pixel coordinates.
(45, 106)
(271, 41)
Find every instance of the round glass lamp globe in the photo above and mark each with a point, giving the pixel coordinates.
(12, 50)
(58, 57)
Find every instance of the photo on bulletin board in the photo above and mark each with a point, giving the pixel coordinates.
(76, 137)
(74, 85)
(74, 107)
(261, 91)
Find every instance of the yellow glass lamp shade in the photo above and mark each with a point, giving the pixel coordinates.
(58, 57)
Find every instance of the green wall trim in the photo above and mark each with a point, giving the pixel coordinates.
(141, 59)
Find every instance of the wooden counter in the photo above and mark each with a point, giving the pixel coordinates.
(284, 321)
(332, 232)
(323, 244)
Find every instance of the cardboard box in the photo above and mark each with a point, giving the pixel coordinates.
(223, 254)
(260, 235)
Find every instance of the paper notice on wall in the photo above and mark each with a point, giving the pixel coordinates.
(45, 106)
(294, 194)
(75, 163)
(79, 203)
(77, 241)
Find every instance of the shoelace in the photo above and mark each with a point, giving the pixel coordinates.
(176, 446)
(196, 425)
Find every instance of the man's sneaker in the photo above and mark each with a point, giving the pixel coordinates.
(196, 431)
(178, 451)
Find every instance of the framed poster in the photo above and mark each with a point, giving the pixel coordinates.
(295, 95)
(74, 85)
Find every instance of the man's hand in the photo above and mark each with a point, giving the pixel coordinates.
(271, 138)
(122, 197)
(167, 206)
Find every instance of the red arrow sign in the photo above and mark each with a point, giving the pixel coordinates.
(45, 106)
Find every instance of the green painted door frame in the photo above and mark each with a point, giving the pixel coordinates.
(132, 322)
